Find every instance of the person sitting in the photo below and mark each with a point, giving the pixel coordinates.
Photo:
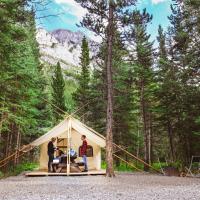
(58, 160)
(73, 155)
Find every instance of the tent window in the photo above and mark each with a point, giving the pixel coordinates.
(62, 142)
(89, 152)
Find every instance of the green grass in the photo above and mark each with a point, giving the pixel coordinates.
(13, 171)
(124, 168)
(127, 168)
(158, 165)
(1, 175)
(25, 167)
(103, 165)
(164, 164)
(121, 168)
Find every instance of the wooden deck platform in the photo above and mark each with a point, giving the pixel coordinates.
(43, 173)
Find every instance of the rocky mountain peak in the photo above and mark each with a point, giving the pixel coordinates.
(63, 35)
(64, 46)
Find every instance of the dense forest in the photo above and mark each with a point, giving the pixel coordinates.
(142, 95)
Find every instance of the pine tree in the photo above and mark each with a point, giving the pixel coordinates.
(174, 77)
(183, 61)
(21, 81)
(122, 93)
(99, 13)
(97, 95)
(162, 45)
(192, 26)
(143, 60)
(166, 78)
(82, 94)
(58, 97)
(123, 118)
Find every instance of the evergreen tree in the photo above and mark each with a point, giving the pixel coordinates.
(82, 93)
(128, 90)
(21, 83)
(143, 60)
(100, 13)
(122, 94)
(162, 45)
(97, 95)
(125, 112)
(183, 61)
(58, 97)
(174, 73)
(166, 77)
(192, 26)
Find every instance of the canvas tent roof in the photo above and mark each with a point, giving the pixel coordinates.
(76, 125)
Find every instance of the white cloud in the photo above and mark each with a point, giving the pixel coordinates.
(158, 1)
(72, 8)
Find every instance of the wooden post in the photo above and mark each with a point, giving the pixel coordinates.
(68, 145)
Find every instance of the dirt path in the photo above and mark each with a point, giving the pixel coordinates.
(123, 187)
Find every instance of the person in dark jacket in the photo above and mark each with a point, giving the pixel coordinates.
(84, 151)
(50, 152)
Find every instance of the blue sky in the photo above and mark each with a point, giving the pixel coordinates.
(66, 14)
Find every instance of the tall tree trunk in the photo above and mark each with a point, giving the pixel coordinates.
(188, 149)
(144, 120)
(109, 117)
(7, 144)
(10, 142)
(138, 141)
(17, 146)
(170, 136)
(3, 116)
(149, 138)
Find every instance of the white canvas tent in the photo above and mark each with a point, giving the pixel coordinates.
(70, 131)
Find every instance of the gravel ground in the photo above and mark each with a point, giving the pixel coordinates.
(122, 187)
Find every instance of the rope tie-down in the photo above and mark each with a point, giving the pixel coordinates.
(17, 154)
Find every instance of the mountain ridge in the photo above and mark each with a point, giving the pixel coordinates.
(63, 45)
